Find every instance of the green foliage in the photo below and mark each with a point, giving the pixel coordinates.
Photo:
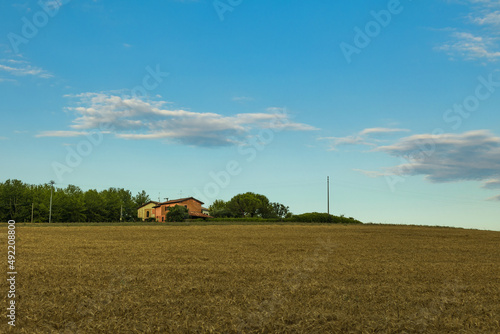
(246, 220)
(177, 213)
(70, 204)
(316, 217)
(244, 205)
(280, 210)
(248, 205)
(220, 209)
(141, 199)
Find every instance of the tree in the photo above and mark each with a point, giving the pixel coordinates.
(71, 204)
(94, 208)
(265, 209)
(15, 201)
(128, 207)
(220, 209)
(243, 205)
(141, 199)
(280, 210)
(252, 205)
(177, 213)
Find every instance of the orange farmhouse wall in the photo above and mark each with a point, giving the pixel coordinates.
(191, 204)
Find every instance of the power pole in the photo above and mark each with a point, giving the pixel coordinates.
(328, 194)
(32, 205)
(121, 213)
(50, 210)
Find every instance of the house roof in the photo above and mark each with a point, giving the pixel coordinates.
(173, 201)
(198, 214)
(203, 208)
(155, 202)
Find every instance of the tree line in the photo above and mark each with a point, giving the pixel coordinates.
(24, 202)
(21, 201)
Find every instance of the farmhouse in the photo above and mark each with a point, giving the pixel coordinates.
(193, 205)
(146, 211)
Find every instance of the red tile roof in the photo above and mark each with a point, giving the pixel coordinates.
(178, 201)
(198, 214)
(155, 202)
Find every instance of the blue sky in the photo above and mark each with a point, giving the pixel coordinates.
(396, 101)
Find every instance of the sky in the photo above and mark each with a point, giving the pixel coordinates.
(395, 101)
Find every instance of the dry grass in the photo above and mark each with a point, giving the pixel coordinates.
(256, 279)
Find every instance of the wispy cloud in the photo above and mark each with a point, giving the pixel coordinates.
(61, 134)
(133, 118)
(479, 41)
(381, 131)
(469, 156)
(243, 98)
(7, 80)
(488, 18)
(370, 173)
(473, 155)
(369, 137)
(470, 47)
(492, 184)
(22, 68)
(494, 198)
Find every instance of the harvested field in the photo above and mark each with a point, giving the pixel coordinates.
(256, 279)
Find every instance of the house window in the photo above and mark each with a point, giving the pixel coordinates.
(162, 219)
(186, 206)
(147, 214)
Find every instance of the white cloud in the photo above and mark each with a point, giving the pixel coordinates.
(473, 155)
(133, 118)
(370, 173)
(481, 41)
(488, 18)
(61, 134)
(377, 131)
(469, 156)
(22, 68)
(492, 184)
(471, 47)
(364, 137)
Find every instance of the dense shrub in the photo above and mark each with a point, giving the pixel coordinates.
(316, 217)
(177, 214)
(246, 219)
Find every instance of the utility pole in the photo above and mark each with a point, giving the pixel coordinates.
(50, 210)
(328, 194)
(121, 213)
(32, 205)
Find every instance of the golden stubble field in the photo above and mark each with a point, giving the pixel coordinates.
(255, 279)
